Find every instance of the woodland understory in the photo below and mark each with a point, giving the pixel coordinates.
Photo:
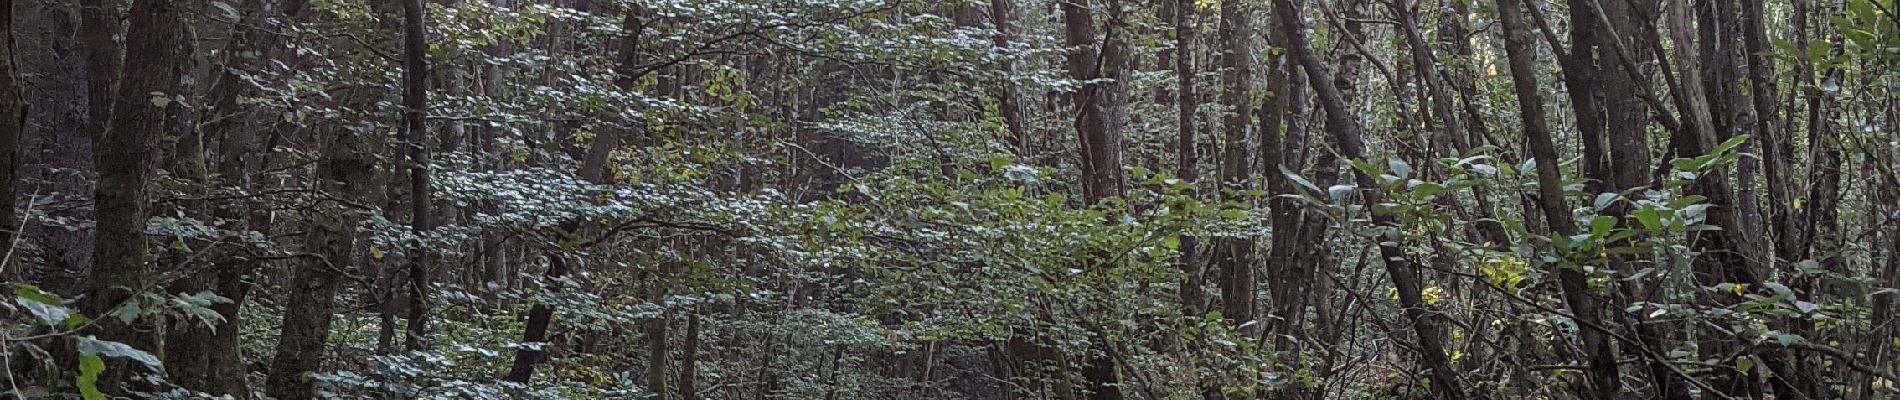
(963, 199)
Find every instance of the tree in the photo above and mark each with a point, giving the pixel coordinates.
(141, 115)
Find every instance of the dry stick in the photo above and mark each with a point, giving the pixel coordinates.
(18, 233)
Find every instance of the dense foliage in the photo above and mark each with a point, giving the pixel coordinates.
(975, 199)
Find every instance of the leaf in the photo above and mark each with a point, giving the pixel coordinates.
(1398, 167)
(160, 100)
(1604, 200)
(1787, 339)
(1730, 144)
(1297, 180)
(1806, 307)
(997, 162)
(1339, 192)
(1743, 364)
(230, 13)
(90, 346)
(34, 293)
(128, 312)
(1601, 226)
(49, 314)
(88, 381)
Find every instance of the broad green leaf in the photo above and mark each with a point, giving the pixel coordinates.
(90, 346)
(49, 314)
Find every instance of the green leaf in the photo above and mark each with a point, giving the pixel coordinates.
(997, 162)
(1604, 200)
(1730, 144)
(128, 312)
(34, 293)
(1297, 180)
(90, 346)
(1600, 226)
(1787, 339)
(230, 13)
(1398, 167)
(1743, 364)
(1649, 216)
(88, 381)
(49, 314)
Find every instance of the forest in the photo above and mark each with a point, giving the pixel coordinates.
(950, 199)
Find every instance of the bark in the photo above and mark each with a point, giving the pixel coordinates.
(1287, 285)
(1187, 156)
(1098, 119)
(1234, 256)
(415, 77)
(56, 141)
(1002, 15)
(689, 359)
(346, 171)
(127, 162)
(1101, 103)
(99, 30)
(1347, 138)
(12, 121)
(1571, 280)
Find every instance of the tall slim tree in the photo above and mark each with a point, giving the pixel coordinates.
(12, 121)
(142, 109)
(593, 169)
(1346, 135)
(415, 83)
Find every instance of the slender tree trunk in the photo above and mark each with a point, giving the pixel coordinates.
(1002, 16)
(415, 77)
(1187, 154)
(99, 32)
(12, 121)
(689, 359)
(1346, 133)
(593, 170)
(1234, 256)
(127, 162)
(1098, 123)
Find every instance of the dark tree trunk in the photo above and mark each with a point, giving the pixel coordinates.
(1234, 256)
(1346, 135)
(1193, 292)
(12, 121)
(127, 162)
(415, 77)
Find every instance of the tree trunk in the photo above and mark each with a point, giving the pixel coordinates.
(12, 121)
(1346, 134)
(1009, 97)
(1233, 256)
(415, 75)
(127, 162)
(593, 170)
